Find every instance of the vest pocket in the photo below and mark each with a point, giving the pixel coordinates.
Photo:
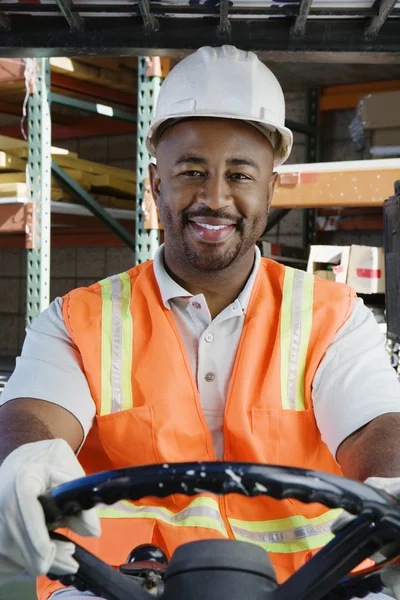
(159, 432)
(286, 437)
(127, 437)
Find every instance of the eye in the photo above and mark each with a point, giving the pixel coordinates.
(192, 173)
(240, 177)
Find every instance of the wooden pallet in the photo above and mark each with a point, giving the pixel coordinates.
(10, 178)
(20, 190)
(111, 186)
(71, 161)
(8, 162)
(119, 80)
(13, 190)
(20, 148)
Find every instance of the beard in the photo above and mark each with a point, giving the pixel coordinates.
(209, 258)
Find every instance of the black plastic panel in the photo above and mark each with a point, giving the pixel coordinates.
(391, 212)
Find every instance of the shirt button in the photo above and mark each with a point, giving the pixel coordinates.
(209, 376)
(209, 337)
(196, 305)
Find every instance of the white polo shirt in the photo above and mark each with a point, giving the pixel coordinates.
(353, 384)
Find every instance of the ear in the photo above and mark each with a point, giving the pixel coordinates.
(271, 187)
(155, 183)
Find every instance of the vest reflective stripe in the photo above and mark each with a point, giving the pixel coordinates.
(202, 512)
(296, 323)
(116, 344)
(287, 535)
(127, 401)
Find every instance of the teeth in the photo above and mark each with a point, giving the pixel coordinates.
(211, 227)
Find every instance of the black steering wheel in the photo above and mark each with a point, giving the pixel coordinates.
(326, 575)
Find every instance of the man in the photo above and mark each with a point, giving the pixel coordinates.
(208, 353)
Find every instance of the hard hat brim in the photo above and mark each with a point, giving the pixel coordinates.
(281, 151)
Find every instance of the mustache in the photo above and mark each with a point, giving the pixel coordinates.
(206, 211)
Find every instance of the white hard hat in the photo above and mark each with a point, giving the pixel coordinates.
(225, 83)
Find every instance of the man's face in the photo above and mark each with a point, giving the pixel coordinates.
(213, 186)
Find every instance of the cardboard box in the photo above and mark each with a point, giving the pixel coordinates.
(377, 111)
(328, 275)
(386, 137)
(385, 143)
(361, 267)
(329, 262)
(366, 270)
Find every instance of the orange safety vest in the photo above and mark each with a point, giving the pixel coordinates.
(148, 410)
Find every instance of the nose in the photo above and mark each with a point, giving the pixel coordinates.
(215, 192)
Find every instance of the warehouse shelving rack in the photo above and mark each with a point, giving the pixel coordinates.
(300, 30)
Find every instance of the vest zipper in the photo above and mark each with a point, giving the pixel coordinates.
(222, 510)
(196, 395)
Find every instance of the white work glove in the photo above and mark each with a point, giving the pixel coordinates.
(390, 576)
(25, 545)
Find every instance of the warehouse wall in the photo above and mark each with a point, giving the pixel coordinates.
(70, 268)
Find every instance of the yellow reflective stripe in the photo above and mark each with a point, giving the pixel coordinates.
(287, 535)
(127, 325)
(289, 523)
(287, 547)
(306, 325)
(106, 347)
(286, 333)
(116, 344)
(202, 512)
(296, 324)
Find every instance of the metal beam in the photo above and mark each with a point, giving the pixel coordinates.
(84, 127)
(100, 109)
(313, 151)
(300, 127)
(299, 27)
(75, 190)
(147, 240)
(85, 88)
(74, 20)
(275, 218)
(39, 186)
(385, 8)
(205, 9)
(269, 37)
(5, 23)
(224, 28)
(150, 23)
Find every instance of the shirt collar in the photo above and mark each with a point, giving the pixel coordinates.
(171, 290)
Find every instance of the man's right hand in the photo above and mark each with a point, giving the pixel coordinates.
(25, 545)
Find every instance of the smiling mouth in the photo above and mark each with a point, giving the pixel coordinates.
(208, 233)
